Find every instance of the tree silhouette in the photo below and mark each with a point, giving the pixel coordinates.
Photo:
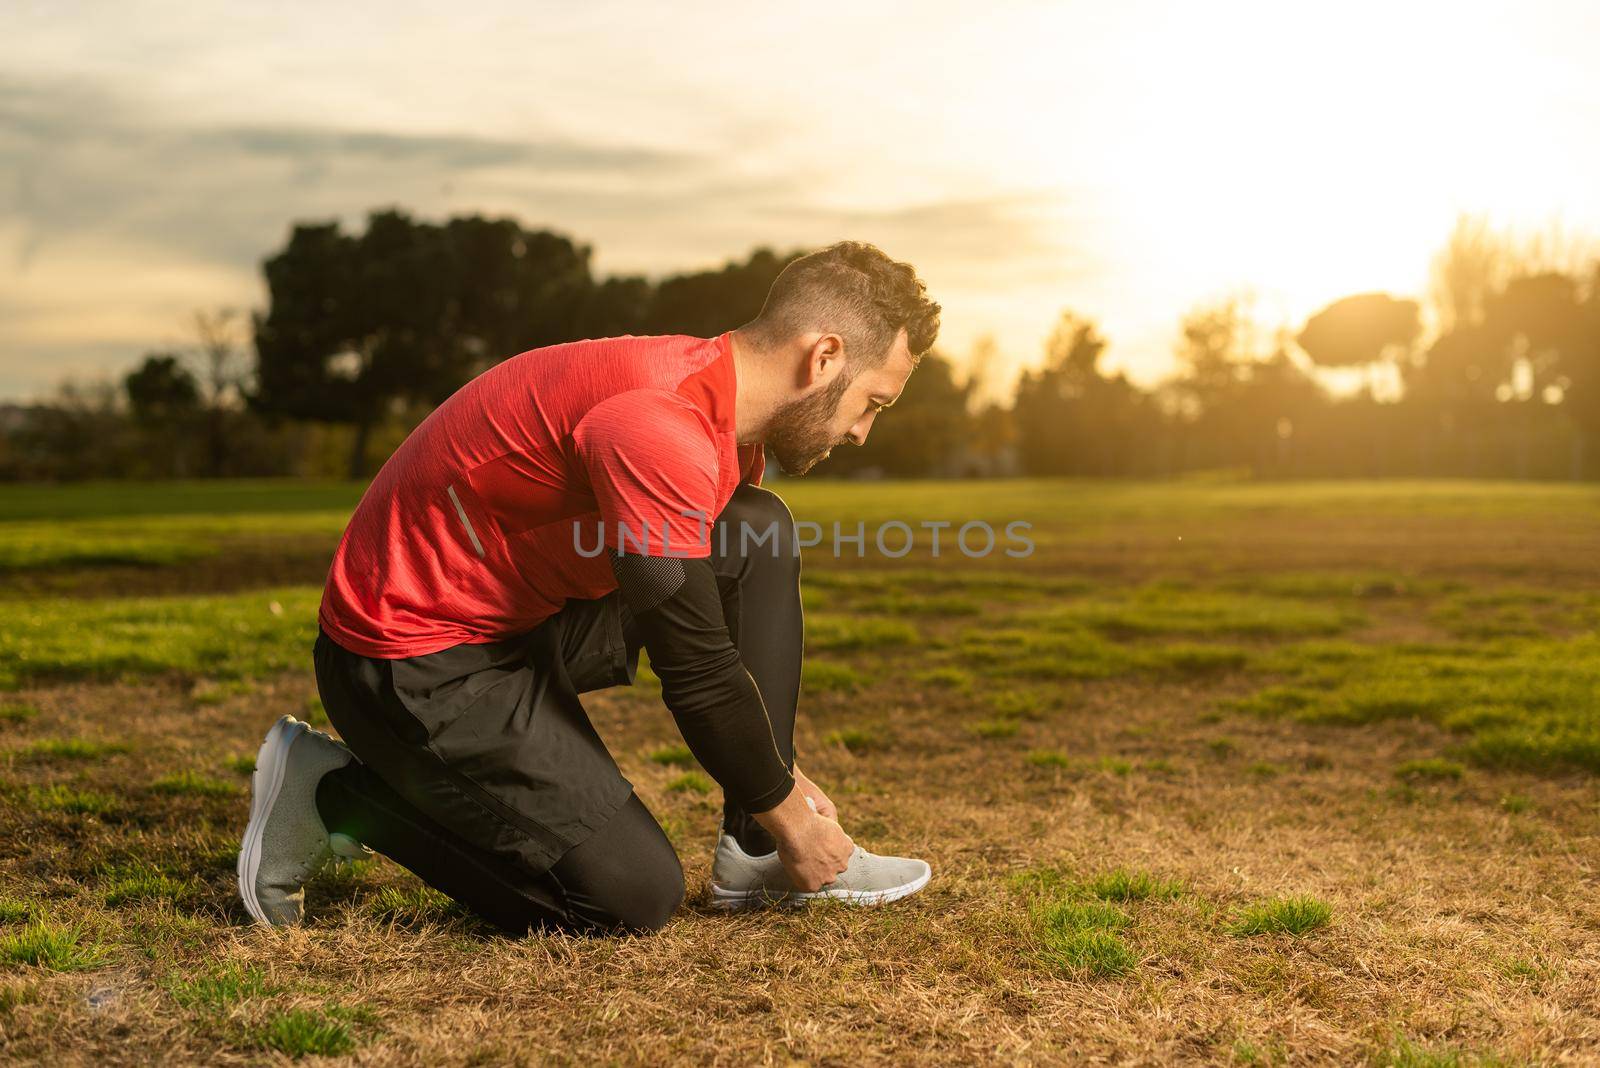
(1071, 418)
(161, 391)
(405, 313)
(1361, 331)
(164, 400)
(1466, 272)
(705, 303)
(1543, 325)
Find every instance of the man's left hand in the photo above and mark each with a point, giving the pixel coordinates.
(825, 806)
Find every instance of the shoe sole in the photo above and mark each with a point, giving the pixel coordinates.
(267, 780)
(748, 899)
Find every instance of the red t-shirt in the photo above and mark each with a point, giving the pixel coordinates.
(489, 517)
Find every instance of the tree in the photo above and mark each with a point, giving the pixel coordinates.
(164, 401)
(161, 391)
(360, 326)
(514, 289)
(1466, 272)
(218, 335)
(1581, 367)
(1361, 331)
(1238, 404)
(1548, 331)
(1070, 418)
(705, 303)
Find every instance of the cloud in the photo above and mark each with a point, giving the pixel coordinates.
(114, 224)
(116, 221)
(84, 163)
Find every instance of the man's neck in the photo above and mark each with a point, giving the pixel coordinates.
(757, 394)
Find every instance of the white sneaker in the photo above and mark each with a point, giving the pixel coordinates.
(739, 880)
(285, 843)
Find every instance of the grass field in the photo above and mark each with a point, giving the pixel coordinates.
(1229, 773)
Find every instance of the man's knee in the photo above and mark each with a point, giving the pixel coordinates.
(757, 525)
(651, 910)
(644, 903)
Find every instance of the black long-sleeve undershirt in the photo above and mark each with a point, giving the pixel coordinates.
(718, 709)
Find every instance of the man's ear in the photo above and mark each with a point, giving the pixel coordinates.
(824, 360)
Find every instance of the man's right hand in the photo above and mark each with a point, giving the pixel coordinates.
(813, 848)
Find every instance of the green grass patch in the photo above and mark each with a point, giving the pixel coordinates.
(672, 756)
(32, 546)
(226, 636)
(241, 765)
(1263, 769)
(1515, 803)
(1083, 938)
(57, 749)
(830, 631)
(1195, 658)
(1323, 585)
(1429, 769)
(855, 739)
(1165, 611)
(1128, 884)
(216, 692)
(1276, 701)
(1015, 704)
(1529, 970)
(190, 783)
(15, 909)
(303, 1033)
(995, 728)
(930, 606)
(1403, 1052)
(1285, 915)
(691, 782)
(819, 676)
(131, 883)
(1028, 653)
(1114, 765)
(1520, 703)
(946, 678)
(1049, 758)
(59, 798)
(13, 712)
(50, 946)
(222, 988)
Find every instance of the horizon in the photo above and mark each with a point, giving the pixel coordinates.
(1024, 164)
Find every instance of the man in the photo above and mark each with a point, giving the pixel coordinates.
(562, 510)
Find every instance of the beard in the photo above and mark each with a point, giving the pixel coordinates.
(801, 434)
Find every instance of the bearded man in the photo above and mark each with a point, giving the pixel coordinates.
(563, 510)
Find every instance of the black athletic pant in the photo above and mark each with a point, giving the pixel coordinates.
(444, 742)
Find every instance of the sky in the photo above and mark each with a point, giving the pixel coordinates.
(1127, 161)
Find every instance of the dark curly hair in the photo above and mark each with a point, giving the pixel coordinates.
(855, 290)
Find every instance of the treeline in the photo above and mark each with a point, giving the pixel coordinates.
(1495, 374)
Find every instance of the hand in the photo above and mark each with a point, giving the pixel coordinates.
(825, 807)
(813, 848)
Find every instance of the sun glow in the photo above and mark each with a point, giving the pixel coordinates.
(1257, 148)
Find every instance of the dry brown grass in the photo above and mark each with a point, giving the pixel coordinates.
(1462, 925)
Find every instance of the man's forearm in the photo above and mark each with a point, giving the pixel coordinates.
(704, 684)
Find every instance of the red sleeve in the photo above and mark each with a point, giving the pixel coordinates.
(651, 457)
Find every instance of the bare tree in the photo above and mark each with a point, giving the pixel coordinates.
(221, 369)
(1473, 265)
